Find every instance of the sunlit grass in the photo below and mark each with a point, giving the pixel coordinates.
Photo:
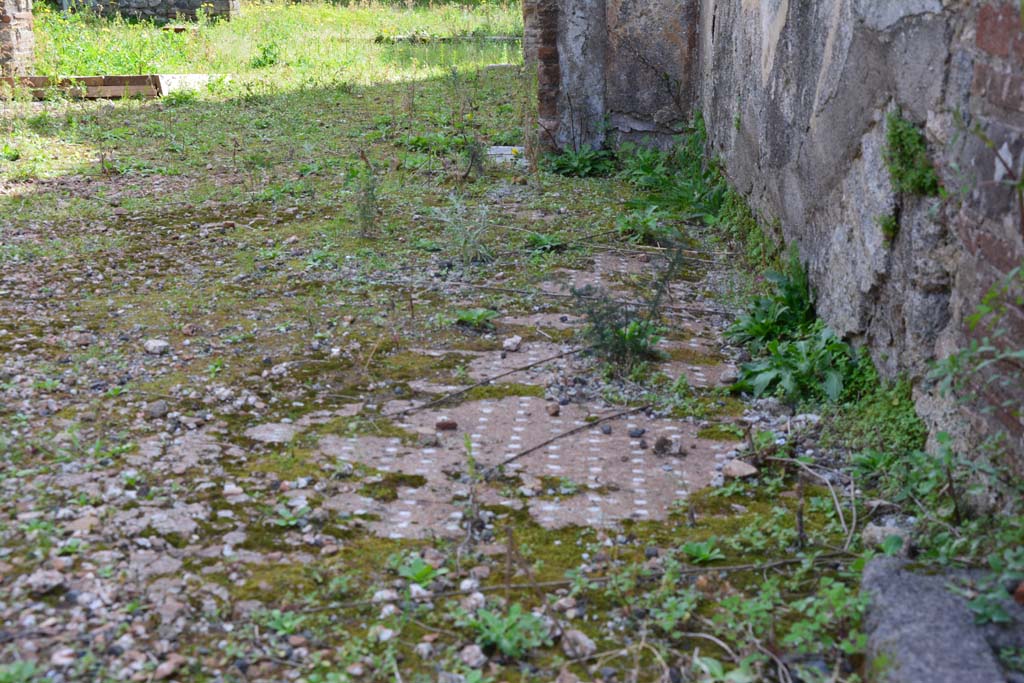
(288, 41)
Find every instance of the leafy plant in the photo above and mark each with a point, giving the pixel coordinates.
(787, 312)
(540, 243)
(286, 517)
(644, 167)
(618, 333)
(813, 368)
(282, 623)
(416, 570)
(476, 318)
(834, 608)
(889, 227)
(703, 552)
(583, 163)
(513, 634)
(675, 610)
(712, 670)
(19, 671)
(267, 54)
(645, 226)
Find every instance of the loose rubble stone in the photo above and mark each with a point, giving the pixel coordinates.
(473, 657)
(43, 581)
(272, 433)
(577, 644)
(169, 666)
(446, 425)
(156, 347)
(738, 469)
(157, 409)
(512, 343)
(876, 535)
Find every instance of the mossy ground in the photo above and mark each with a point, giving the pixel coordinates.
(227, 223)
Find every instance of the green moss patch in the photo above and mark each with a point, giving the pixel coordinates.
(721, 432)
(386, 489)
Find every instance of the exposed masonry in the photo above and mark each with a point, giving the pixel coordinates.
(16, 38)
(795, 96)
(170, 9)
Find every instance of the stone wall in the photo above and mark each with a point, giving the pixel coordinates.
(796, 97)
(170, 9)
(17, 41)
(621, 68)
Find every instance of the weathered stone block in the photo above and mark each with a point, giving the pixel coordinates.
(999, 30)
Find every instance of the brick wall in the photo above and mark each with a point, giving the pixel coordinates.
(540, 47)
(169, 9)
(990, 222)
(17, 41)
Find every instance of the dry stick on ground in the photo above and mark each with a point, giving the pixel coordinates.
(853, 507)
(780, 666)
(489, 472)
(485, 382)
(597, 580)
(831, 490)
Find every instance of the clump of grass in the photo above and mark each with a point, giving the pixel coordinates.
(906, 155)
(618, 333)
(366, 197)
(466, 232)
(889, 227)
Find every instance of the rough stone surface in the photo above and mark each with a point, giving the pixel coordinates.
(169, 9)
(17, 40)
(921, 632)
(796, 98)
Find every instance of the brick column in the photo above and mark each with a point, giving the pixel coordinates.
(540, 53)
(17, 42)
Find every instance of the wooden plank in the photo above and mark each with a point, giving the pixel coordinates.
(91, 87)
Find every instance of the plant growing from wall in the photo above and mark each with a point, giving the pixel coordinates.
(906, 156)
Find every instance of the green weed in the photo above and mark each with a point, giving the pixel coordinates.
(476, 318)
(514, 634)
(906, 155)
(583, 163)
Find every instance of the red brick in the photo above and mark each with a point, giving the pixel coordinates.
(999, 28)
